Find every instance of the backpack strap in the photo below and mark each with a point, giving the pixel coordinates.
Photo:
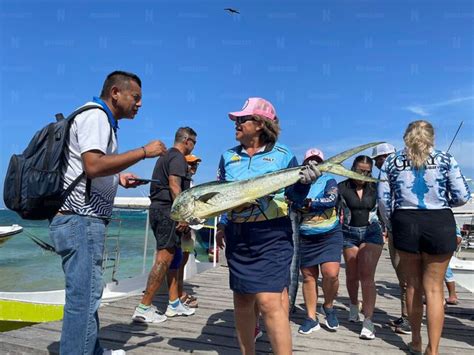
(76, 181)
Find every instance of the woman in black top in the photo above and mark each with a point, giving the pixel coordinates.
(363, 242)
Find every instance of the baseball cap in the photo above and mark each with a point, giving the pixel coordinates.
(313, 152)
(255, 106)
(382, 149)
(190, 158)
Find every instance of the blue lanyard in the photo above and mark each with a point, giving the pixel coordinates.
(112, 120)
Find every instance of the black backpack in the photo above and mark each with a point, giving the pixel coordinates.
(33, 184)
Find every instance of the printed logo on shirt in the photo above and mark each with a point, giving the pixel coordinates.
(269, 159)
(401, 162)
(235, 159)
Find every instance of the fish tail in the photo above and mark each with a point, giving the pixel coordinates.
(339, 158)
(338, 169)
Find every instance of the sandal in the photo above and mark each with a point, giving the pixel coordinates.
(413, 351)
(189, 301)
(452, 303)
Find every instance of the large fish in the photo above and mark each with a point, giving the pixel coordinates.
(211, 199)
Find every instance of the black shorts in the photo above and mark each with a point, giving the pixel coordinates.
(428, 231)
(164, 228)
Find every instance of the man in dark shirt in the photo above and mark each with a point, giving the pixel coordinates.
(171, 171)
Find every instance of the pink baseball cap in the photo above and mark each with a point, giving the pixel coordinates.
(313, 152)
(255, 106)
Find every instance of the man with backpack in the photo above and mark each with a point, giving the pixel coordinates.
(78, 229)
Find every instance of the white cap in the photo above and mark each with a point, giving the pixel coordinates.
(382, 149)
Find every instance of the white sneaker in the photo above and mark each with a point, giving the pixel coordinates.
(179, 310)
(114, 352)
(354, 313)
(368, 330)
(151, 315)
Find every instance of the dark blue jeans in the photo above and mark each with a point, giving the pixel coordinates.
(79, 240)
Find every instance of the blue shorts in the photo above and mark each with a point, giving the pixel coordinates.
(355, 236)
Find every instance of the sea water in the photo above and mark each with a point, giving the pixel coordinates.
(24, 266)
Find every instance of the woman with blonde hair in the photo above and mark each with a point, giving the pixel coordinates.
(422, 183)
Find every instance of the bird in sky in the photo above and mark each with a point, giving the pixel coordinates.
(232, 11)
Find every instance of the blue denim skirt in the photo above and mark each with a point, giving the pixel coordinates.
(259, 255)
(321, 248)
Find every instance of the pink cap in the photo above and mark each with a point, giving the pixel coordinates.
(255, 106)
(313, 152)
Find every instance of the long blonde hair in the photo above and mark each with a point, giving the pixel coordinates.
(419, 139)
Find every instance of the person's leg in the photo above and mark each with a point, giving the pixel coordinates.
(276, 321)
(411, 268)
(181, 275)
(395, 259)
(80, 243)
(330, 272)
(172, 275)
(367, 260)
(451, 286)
(310, 289)
(285, 301)
(352, 274)
(163, 259)
(245, 320)
(433, 276)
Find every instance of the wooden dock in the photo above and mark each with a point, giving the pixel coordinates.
(211, 329)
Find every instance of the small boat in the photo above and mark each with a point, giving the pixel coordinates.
(6, 232)
(463, 272)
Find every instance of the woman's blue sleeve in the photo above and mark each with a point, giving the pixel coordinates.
(329, 199)
(296, 192)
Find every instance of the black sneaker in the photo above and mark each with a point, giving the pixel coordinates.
(397, 322)
(404, 327)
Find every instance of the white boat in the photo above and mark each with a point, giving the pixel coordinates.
(463, 272)
(6, 232)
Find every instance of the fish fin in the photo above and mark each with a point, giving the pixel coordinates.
(339, 158)
(206, 197)
(340, 170)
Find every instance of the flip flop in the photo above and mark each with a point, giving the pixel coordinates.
(413, 351)
(452, 303)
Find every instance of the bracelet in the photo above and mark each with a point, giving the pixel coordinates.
(144, 151)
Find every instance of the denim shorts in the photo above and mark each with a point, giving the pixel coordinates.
(355, 236)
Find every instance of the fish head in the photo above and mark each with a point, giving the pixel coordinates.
(183, 207)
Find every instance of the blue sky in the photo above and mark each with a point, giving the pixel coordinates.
(340, 73)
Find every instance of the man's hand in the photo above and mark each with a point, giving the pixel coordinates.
(154, 149)
(220, 238)
(182, 227)
(125, 181)
(309, 173)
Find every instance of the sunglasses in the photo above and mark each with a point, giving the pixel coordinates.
(242, 120)
(363, 172)
(192, 140)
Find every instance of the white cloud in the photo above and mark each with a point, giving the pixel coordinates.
(425, 110)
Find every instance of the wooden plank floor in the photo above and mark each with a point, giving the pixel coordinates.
(211, 329)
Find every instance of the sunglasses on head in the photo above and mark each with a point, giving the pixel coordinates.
(242, 120)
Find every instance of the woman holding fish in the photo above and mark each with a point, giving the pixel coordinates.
(258, 235)
(320, 246)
